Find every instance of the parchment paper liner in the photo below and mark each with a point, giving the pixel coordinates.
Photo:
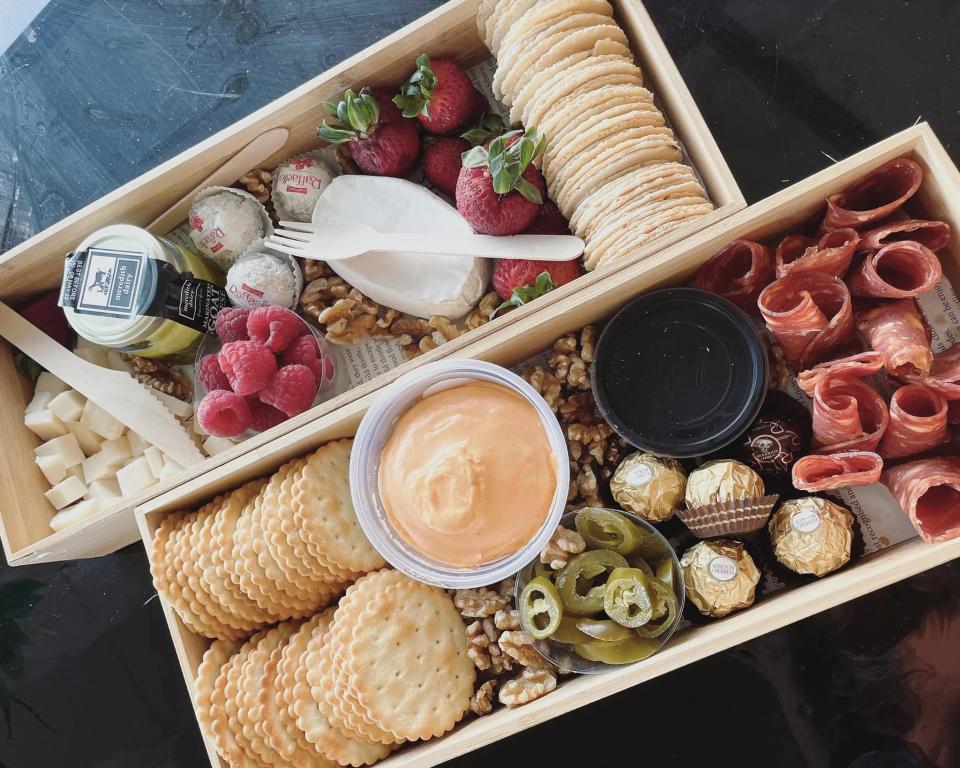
(728, 518)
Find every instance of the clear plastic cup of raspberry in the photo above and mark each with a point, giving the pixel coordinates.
(281, 341)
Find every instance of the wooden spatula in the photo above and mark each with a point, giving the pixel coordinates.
(117, 393)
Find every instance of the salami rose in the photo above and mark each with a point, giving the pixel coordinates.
(897, 271)
(875, 197)
(932, 234)
(857, 366)
(929, 492)
(848, 415)
(838, 470)
(831, 254)
(944, 376)
(896, 329)
(809, 314)
(738, 273)
(918, 422)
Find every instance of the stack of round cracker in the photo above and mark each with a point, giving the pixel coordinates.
(345, 687)
(611, 163)
(274, 549)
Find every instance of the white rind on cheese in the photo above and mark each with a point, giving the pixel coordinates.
(40, 400)
(44, 424)
(68, 406)
(101, 422)
(214, 445)
(66, 447)
(136, 476)
(108, 488)
(75, 514)
(53, 468)
(66, 492)
(419, 284)
(89, 440)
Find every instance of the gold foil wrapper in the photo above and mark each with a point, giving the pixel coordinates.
(717, 482)
(720, 576)
(649, 486)
(811, 535)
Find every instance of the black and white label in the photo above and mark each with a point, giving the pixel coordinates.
(101, 281)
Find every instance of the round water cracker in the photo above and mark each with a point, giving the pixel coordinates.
(211, 664)
(484, 11)
(222, 702)
(326, 514)
(233, 695)
(158, 553)
(605, 169)
(252, 680)
(407, 661)
(182, 601)
(594, 40)
(490, 21)
(550, 10)
(512, 61)
(535, 88)
(607, 134)
(510, 11)
(612, 59)
(679, 217)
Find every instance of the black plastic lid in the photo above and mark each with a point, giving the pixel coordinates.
(680, 372)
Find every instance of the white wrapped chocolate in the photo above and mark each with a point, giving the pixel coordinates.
(297, 184)
(225, 222)
(262, 277)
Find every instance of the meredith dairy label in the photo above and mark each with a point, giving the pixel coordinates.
(102, 281)
(722, 568)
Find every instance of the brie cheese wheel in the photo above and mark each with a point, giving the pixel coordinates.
(418, 284)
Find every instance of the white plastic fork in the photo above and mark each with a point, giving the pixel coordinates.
(327, 242)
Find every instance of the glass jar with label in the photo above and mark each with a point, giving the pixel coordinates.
(127, 289)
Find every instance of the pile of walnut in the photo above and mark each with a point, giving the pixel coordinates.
(595, 450)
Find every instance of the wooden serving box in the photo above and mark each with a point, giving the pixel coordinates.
(36, 264)
(939, 197)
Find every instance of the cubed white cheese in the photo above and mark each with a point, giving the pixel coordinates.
(75, 471)
(108, 488)
(136, 476)
(95, 355)
(47, 382)
(178, 408)
(137, 444)
(154, 457)
(65, 446)
(52, 467)
(101, 422)
(73, 515)
(170, 469)
(102, 465)
(214, 445)
(117, 450)
(89, 440)
(68, 406)
(40, 400)
(44, 424)
(115, 360)
(66, 492)
(199, 430)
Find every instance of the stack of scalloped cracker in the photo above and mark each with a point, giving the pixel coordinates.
(611, 163)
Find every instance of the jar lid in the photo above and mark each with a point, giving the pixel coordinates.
(680, 372)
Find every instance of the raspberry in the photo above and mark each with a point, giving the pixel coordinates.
(291, 390)
(263, 416)
(304, 350)
(248, 365)
(223, 413)
(211, 374)
(231, 324)
(274, 326)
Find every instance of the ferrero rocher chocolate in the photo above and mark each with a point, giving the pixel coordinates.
(720, 576)
(721, 481)
(649, 486)
(811, 535)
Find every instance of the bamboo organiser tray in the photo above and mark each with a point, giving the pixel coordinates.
(36, 264)
(939, 197)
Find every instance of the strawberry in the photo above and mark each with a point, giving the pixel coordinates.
(381, 142)
(549, 221)
(500, 191)
(480, 108)
(512, 275)
(441, 162)
(439, 94)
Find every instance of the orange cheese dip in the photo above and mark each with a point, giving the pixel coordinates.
(468, 476)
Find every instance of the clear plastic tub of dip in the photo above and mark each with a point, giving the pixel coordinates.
(129, 290)
(459, 473)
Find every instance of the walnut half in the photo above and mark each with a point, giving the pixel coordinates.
(529, 685)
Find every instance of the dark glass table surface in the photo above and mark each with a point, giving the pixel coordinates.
(94, 92)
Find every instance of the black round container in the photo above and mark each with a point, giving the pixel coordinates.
(680, 372)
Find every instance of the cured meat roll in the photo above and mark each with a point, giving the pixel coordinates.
(929, 492)
(738, 273)
(809, 314)
(918, 422)
(897, 330)
(857, 366)
(875, 197)
(944, 375)
(848, 415)
(831, 254)
(932, 234)
(897, 271)
(837, 470)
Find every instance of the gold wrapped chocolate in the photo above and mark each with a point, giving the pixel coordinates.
(649, 486)
(721, 481)
(720, 576)
(811, 535)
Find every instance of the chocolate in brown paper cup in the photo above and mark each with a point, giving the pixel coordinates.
(728, 518)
